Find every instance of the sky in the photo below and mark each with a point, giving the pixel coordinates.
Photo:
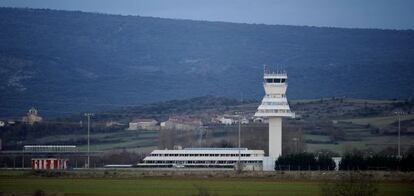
(382, 14)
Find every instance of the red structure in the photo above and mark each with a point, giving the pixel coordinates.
(49, 164)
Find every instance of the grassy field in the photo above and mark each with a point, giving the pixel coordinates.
(170, 186)
(138, 141)
(379, 122)
(360, 136)
(373, 142)
(156, 187)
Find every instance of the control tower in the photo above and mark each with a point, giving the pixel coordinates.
(274, 107)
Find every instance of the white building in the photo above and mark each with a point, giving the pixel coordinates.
(162, 124)
(274, 107)
(244, 120)
(145, 124)
(32, 117)
(205, 158)
(112, 123)
(182, 123)
(260, 120)
(228, 119)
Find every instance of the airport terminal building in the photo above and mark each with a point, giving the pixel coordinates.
(205, 158)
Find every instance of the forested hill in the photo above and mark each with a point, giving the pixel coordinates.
(66, 61)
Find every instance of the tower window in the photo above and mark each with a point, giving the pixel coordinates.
(275, 80)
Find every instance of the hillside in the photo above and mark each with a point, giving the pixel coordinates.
(335, 124)
(65, 61)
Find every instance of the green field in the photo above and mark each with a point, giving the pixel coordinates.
(171, 186)
(379, 122)
(360, 136)
(373, 142)
(137, 141)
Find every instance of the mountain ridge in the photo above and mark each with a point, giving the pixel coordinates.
(72, 56)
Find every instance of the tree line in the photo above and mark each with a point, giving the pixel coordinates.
(305, 161)
(358, 161)
(355, 160)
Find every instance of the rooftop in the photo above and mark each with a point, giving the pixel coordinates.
(215, 148)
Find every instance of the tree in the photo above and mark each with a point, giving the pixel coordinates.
(353, 161)
(325, 162)
(300, 161)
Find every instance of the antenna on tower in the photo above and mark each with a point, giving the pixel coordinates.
(264, 68)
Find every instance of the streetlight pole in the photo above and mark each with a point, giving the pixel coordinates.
(88, 115)
(239, 145)
(399, 136)
(399, 132)
(239, 140)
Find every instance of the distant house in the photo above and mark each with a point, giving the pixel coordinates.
(260, 120)
(145, 124)
(32, 117)
(162, 124)
(112, 123)
(182, 123)
(244, 120)
(11, 122)
(228, 119)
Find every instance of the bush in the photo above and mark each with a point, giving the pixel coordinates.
(325, 162)
(353, 161)
(407, 163)
(357, 161)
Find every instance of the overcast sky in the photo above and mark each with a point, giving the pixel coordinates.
(384, 14)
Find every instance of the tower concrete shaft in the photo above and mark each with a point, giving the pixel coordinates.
(275, 137)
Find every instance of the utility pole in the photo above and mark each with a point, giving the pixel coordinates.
(239, 145)
(399, 132)
(88, 115)
(239, 139)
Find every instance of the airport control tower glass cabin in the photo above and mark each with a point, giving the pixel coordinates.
(274, 107)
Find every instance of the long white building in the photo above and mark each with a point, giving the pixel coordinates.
(205, 158)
